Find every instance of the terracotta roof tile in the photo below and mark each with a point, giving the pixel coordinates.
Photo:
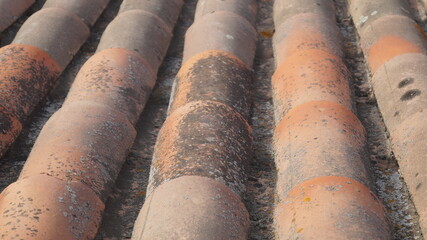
(396, 56)
(10, 11)
(85, 143)
(238, 152)
(319, 143)
(41, 50)
(206, 141)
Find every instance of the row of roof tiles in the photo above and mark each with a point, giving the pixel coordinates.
(319, 143)
(41, 50)
(82, 147)
(396, 55)
(202, 152)
(199, 166)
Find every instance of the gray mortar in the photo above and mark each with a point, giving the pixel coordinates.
(259, 198)
(384, 170)
(420, 13)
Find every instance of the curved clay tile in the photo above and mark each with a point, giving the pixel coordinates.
(396, 50)
(41, 50)
(198, 172)
(11, 10)
(82, 147)
(320, 145)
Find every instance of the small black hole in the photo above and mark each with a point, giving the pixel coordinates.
(405, 82)
(410, 95)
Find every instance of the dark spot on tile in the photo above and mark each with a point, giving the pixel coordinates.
(410, 94)
(405, 82)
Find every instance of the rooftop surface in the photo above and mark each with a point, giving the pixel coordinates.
(213, 119)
